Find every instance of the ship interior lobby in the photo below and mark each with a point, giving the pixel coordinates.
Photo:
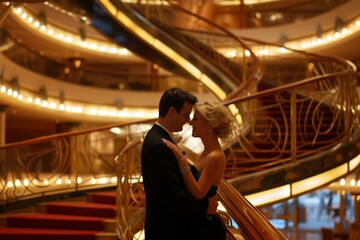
(80, 83)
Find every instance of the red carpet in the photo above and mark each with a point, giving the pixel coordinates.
(103, 197)
(82, 209)
(45, 234)
(63, 220)
(55, 221)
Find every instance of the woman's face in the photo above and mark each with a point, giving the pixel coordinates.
(199, 125)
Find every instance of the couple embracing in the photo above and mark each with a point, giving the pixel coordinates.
(181, 198)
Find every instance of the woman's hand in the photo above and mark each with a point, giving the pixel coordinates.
(179, 156)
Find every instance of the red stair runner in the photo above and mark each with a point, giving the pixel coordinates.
(62, 220)
(45, 234)
(82, 209)
(55, 221)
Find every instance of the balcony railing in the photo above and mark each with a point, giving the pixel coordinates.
(301, 125)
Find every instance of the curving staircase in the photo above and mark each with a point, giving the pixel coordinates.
(300, 122)
(91, 217)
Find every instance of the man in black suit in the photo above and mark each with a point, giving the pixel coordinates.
(171, 212)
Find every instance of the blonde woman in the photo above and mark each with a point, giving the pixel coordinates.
(172, 213)
(211, 121)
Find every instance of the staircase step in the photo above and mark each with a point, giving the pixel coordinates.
(46, 234)
(79, 208)
(55, 221)
(103, 197)
(107, 236)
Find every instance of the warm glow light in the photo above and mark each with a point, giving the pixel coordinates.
(235, 112)
(318, 180)
(140, 235)
(342, 182)
(17, 183)
(10, 184)
(352, 182)
(272, 195)
(213, 86)
(165, 49)
(79, 180)
(354, 163)
(58, 181)
(26, 182)
(64, 36)
(113, 179)
(116, 130)
(300, 187)
(103, 180)
(329, 37)
(54, 104)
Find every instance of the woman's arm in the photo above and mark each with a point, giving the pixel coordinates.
(211, 169)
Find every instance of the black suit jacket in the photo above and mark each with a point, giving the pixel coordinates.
(171, 212)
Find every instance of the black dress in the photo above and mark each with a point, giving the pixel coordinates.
(212, 228)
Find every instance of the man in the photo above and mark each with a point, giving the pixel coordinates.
(171, 212)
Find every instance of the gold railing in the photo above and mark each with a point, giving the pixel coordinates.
(82, 160)
(310, 89)
(293, 118)
(62, 163)
(325, 157)
(130, 191)
(131, 202)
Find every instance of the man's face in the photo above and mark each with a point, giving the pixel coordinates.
(179, 119)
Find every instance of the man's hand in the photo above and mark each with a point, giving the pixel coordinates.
(213, 204)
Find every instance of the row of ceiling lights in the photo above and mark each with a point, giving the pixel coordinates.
(109, 48)
(27, 97)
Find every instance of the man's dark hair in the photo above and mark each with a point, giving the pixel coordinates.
(175, 97)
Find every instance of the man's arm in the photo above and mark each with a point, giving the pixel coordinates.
(171, 190)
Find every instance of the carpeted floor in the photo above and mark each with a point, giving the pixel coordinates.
(77, 220)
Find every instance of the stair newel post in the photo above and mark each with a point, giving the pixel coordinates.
(293, 124)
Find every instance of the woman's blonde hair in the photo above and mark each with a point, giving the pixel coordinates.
(218, 117)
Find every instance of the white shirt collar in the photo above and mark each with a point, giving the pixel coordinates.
(174, 137)
(164, 128)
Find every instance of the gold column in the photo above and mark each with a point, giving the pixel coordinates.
(3, 124)
(242, 15)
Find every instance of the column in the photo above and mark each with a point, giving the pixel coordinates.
(341, 226)
(3, 124)
(242, 14)
(357, 209)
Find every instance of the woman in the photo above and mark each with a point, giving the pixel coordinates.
(211, 121)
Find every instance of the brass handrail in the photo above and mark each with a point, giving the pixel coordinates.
(73, 155)
(318, 87)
